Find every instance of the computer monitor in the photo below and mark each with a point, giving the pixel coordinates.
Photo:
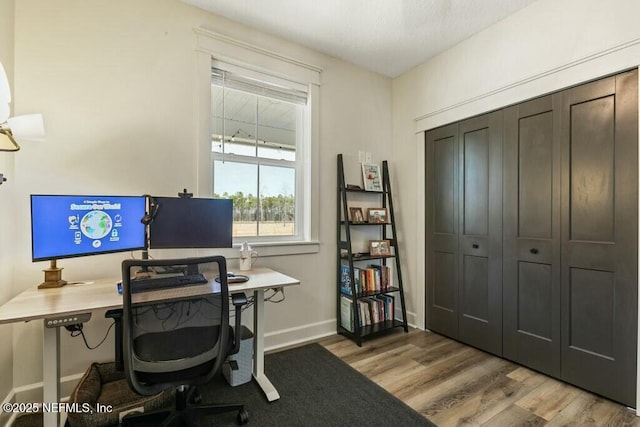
(64, 226)
(191, 223)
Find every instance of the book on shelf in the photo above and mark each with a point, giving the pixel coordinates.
(388, 306)
(374, 309)
(346, 313)
(345, 279)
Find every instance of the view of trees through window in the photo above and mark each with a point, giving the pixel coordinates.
(274, 216)
(263, 197)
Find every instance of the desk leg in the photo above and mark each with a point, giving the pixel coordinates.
(258, 347)
(51, 372)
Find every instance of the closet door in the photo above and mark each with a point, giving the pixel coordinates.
(442, 230)
(480, 225)
(532, 234)
(599, 236)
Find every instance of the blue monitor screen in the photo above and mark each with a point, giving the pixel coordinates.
(70, 226)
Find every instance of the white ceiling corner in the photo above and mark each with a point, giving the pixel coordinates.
(386, 36)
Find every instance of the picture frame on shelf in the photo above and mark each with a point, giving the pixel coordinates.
(356, 215)
(371, 177)
(377, 216)
(379, 248)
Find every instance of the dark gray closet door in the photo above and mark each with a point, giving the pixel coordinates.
(599, 236)
(480, 225)
(442, 230)
(531, 223)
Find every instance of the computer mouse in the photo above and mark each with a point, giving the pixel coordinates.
(237, 279)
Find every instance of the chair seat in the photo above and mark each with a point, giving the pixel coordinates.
(177, 344)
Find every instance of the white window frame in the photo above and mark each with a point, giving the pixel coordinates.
(214, 49)
(303, 138)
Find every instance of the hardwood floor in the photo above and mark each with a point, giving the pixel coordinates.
(452, 384)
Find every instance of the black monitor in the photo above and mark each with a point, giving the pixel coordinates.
(64, 226)
(191, 223)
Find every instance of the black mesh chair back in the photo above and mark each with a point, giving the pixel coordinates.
(175, 329)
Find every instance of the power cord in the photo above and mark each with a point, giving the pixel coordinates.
(267, 298)
(276, 291)
(76, 330)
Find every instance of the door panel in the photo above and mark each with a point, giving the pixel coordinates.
(442, 230)
(591, 314)
(444, 152)
(599, 236)
(475, 152)
(444, 289)
(535, 185)
(592, 170)
(480, 222)
(535, 293)
(532, 234)
(475, 288)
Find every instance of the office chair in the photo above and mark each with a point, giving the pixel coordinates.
(181, 340)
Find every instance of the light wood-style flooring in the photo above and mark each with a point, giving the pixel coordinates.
(452, 384)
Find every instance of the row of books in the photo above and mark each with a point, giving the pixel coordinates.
(375, 278)
(371, 310)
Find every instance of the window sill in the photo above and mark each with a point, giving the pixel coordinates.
(266, 249)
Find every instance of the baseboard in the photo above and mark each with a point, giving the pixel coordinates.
(33, 392)
(299, 335)
(411, 320)
(312, 332)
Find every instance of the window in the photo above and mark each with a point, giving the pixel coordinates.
(283, 169)
(258, 139)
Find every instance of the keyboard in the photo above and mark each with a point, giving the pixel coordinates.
(163, 282)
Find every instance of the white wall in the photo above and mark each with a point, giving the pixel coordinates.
(7, 194)
(547, 46)
(116, 82)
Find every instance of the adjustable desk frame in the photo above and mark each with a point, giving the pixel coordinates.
(43, 304)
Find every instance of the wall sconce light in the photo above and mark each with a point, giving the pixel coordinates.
(27, 127)
(7, 143)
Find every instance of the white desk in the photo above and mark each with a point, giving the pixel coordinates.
(40, 304)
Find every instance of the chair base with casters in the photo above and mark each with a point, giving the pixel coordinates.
(187, 412)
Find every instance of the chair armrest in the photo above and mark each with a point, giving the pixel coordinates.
(116, 315)
(238, 300)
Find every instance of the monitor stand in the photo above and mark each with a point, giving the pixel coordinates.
(52, 277)
(144, 272)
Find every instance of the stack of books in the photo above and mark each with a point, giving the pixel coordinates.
(371, 310)
(373, 279)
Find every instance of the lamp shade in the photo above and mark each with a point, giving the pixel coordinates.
(29, 127)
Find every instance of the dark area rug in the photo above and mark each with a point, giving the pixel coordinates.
(316, 389)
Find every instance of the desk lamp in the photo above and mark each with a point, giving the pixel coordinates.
(26, 127)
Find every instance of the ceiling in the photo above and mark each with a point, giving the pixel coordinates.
(385, 36)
